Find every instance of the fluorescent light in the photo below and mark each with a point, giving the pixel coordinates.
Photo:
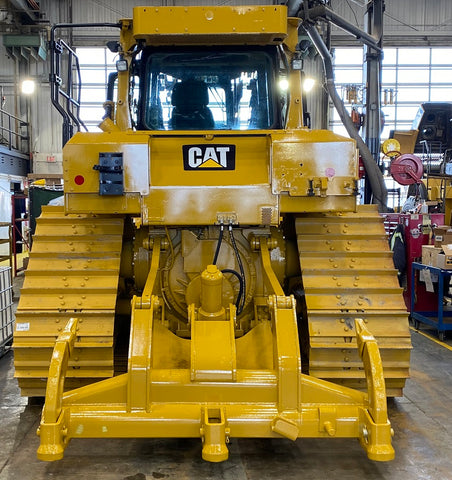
(308, 84)
(27, 87)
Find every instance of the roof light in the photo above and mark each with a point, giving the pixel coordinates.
(122, 65)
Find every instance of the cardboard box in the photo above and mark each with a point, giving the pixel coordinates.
(426, 252)
(434, 256)
(444, 260)
(430, 255)
(442, 235)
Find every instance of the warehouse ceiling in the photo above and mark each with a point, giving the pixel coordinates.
(22, 25)
(19, 15)
(406, 22)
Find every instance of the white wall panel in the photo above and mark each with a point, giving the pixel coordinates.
(6, 64)
(316, 99)
(55, 11)
(46, 123)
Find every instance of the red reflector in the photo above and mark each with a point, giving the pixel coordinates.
(79, 179)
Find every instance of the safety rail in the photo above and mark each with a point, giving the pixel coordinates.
(12, 134)
(65, 92)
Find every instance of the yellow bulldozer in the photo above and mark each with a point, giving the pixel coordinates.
(210, 274)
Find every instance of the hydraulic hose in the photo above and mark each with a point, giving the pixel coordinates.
(217, 250)
(240, 276)
(240, 294)
(242, 271)
(376, 180)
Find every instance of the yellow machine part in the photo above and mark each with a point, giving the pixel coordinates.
(261, 25)
(73, 270)
(250, 374)
(391, 147)
(440, 190)
(276, 172)
(347, 270)
(215, 386)
(407, 140)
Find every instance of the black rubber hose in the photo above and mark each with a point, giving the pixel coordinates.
(217, 250)
(240, 295)
(242, 271)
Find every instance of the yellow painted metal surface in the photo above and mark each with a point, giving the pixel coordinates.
(81, 153)
(210, 205)
(53, 448)
(347, 271)
(287, 403)
(252, 161)
(295, 117)
(252, 25)
(214, 434)
(243, 192)
(303, 175)
(407, 140)
(440, 190)
(313, 163)
(391, 147)
(213, 356)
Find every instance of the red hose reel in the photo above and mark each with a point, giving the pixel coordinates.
(406, 169)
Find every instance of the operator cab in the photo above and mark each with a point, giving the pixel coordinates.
(190, 111)
(199, 88)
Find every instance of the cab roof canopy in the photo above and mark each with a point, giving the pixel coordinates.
(209, 25)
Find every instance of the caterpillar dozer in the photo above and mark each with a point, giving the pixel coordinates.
(210, 273)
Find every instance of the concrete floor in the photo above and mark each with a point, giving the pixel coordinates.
(422, 421)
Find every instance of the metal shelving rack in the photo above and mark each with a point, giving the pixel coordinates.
(9, 242)
(6, 309)
(441, 318)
